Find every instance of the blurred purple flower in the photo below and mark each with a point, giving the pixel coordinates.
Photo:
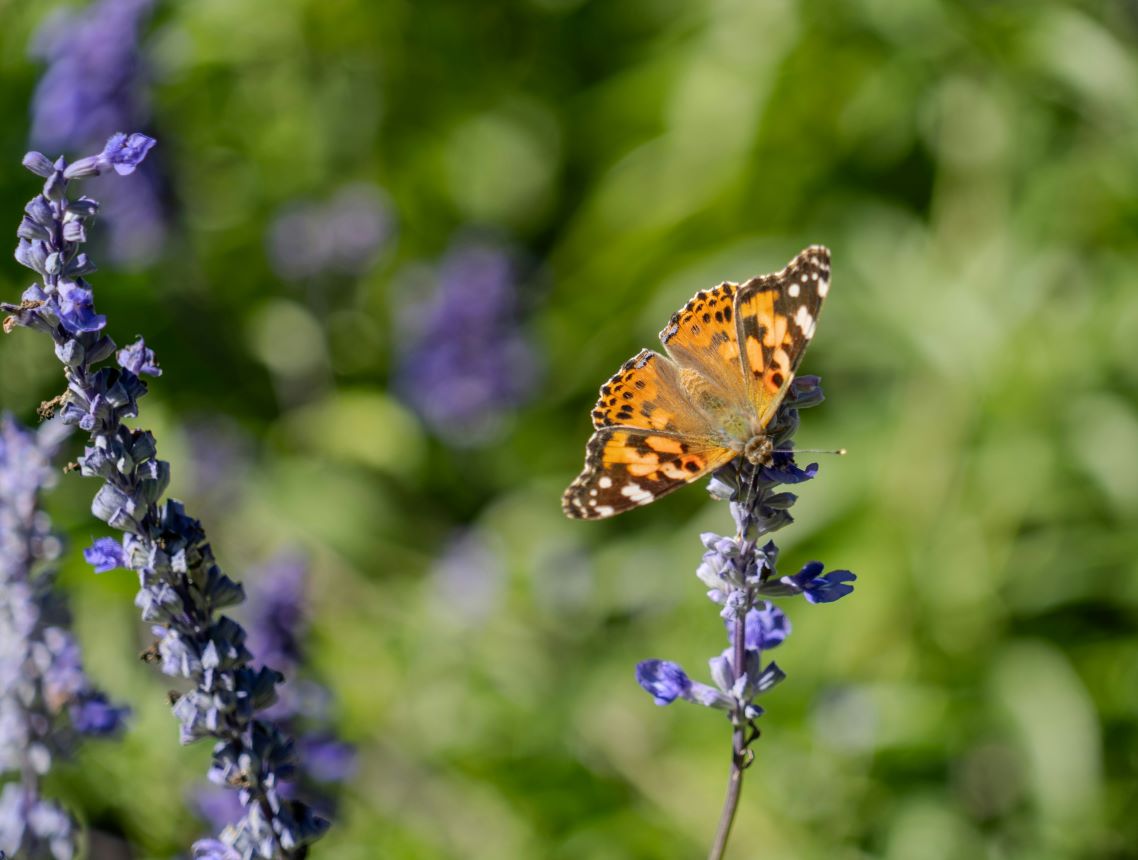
(464, 360)
(468, 577)
(95, 85)
(340, 237)
(46, 698)
(220, 457)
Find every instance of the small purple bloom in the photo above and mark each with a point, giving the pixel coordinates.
(326, 758)
(95, 716)
(464, 360)
(125, 153)
(342, 236)
(766, 627)
(138, 359)
(77, 309)
(105, 554)
(815, 587)
(663, 680)
(783, 470)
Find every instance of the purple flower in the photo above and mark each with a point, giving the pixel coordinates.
(138, 359)
(95, 84)
(125, 153)
(663, 680)
(77, 309)
(46, 699)
(341, 237)
(464, 361)
(810, 583)
(94, 716)
(766, 627)
(182, 588)
(105, 554)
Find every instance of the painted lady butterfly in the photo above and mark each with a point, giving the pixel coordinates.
(665, 421)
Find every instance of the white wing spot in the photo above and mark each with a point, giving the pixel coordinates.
(636, 493)
(823, 287)
(805, 320)
(605, 511)
(793, 290)
(604, 482)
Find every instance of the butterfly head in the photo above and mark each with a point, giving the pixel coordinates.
(759, 450)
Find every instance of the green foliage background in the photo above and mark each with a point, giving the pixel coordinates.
(974, 168)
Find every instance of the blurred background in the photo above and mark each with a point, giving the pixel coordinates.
(386, 252)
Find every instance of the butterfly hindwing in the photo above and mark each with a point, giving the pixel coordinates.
(627, 467)
(776, 316)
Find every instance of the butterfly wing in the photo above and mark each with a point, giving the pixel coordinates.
(647, 393)
(626, 467)
(703, 339)
(776, 315)
(650, 440)
(665, 421)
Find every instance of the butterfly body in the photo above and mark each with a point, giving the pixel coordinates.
(663, 421)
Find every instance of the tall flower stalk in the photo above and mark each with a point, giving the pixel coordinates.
(740, 575)
(47, 701)
(181, 586)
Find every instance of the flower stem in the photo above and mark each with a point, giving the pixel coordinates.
(738, 760)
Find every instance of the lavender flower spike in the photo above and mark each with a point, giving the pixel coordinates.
(181, 586)
(738, 574)
(46, 699)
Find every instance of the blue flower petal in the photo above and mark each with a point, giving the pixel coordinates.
(663, 680)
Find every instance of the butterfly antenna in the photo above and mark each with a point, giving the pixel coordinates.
(840, 452)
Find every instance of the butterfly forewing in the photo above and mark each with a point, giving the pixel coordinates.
(704, 341)
(776, 315)
(647, 393)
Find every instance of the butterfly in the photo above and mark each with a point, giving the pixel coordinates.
(663, 421)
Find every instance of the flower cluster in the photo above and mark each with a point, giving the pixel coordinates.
(94, 83)
(465, 361)
(278, 627)
(340, 237)
(181, 586)
(46, 700)
(740, 575)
